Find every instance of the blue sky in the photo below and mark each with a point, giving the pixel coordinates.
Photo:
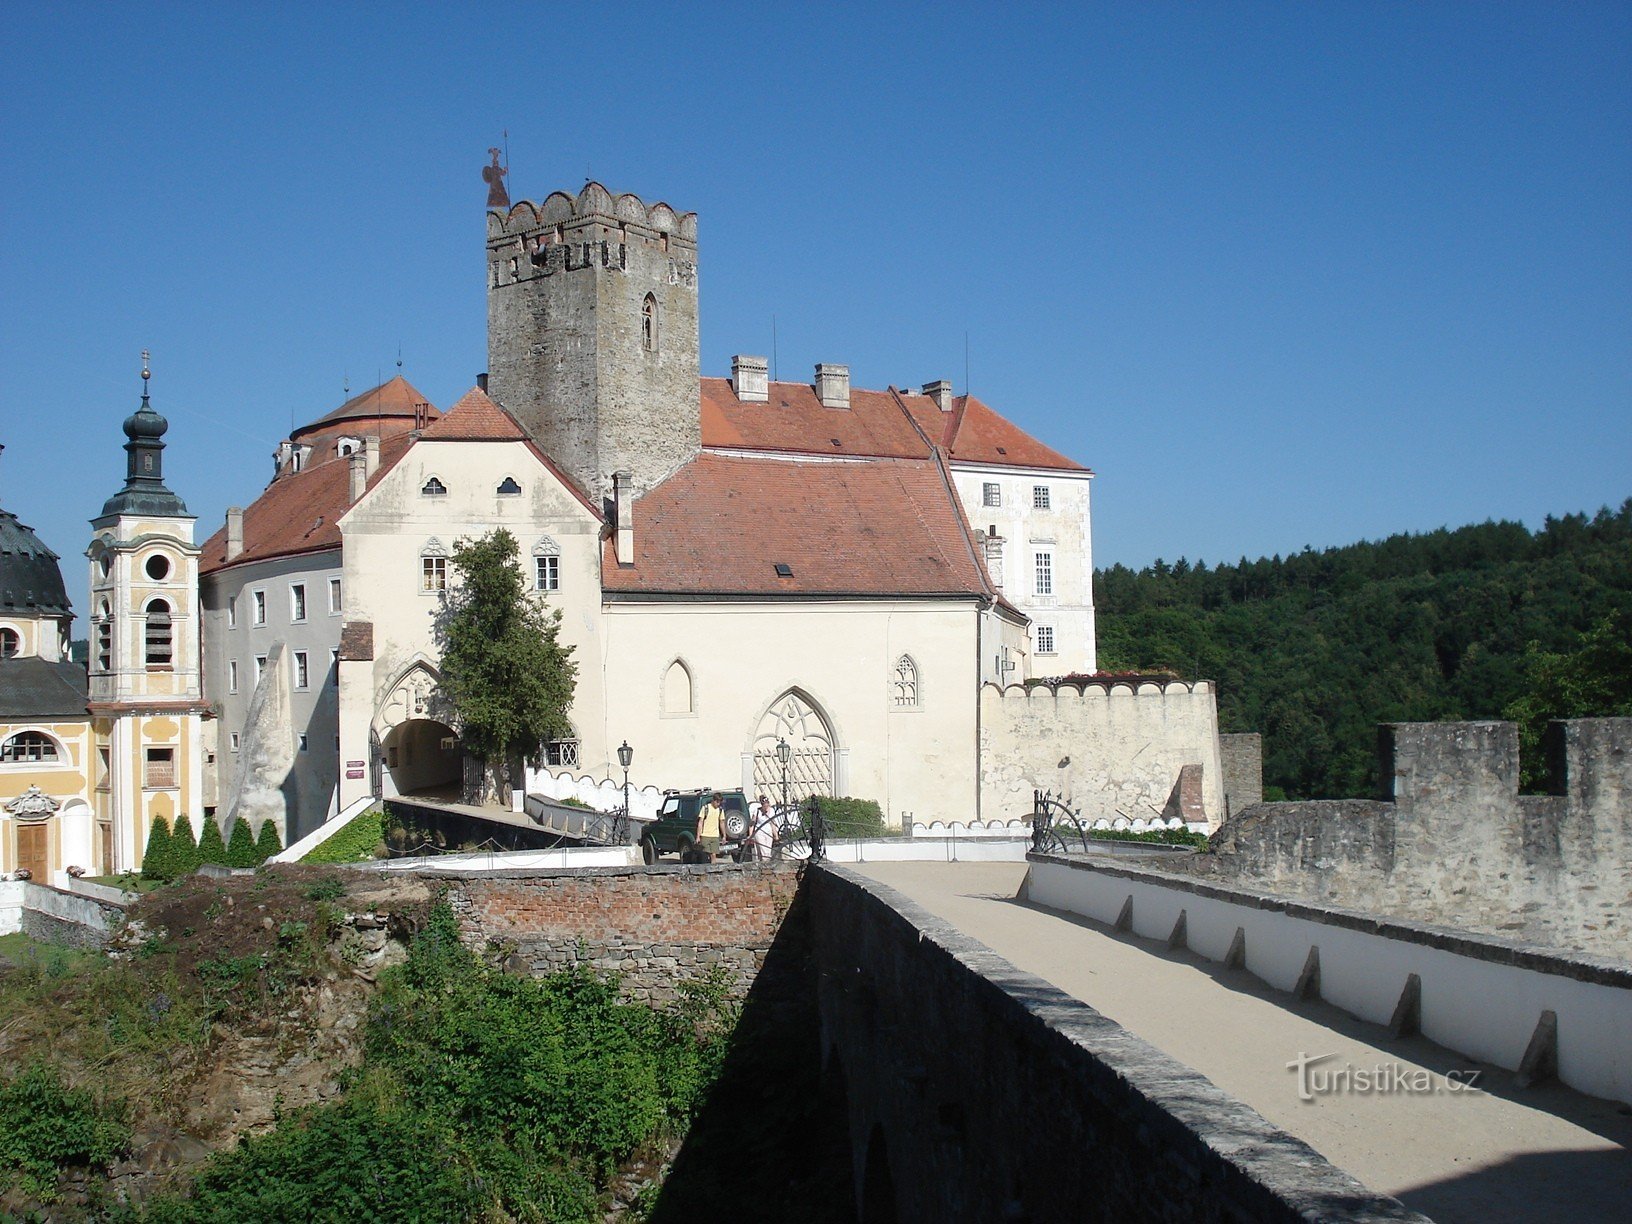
(1281, 274)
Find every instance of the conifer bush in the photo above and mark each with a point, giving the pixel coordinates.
(183, 848)
(268, 843)
(241, 845)
(156, 859)
(211, 848)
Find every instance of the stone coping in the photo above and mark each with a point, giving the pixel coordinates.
(575, 873)
(1560, 962)
(1283, 1167)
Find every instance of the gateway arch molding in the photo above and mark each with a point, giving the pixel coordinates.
(819, 764)
(413, 694)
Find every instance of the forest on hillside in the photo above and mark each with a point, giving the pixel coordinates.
(1314, 649)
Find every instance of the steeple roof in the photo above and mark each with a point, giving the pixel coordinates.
(30, 579)
(145, 492)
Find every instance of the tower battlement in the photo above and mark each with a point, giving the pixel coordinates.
(568, 233)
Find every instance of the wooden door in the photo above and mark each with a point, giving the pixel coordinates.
(34, 851)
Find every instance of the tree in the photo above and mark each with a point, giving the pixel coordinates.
(183, 847)
(241, 845)
(211, 849)
(506, 675)
(156, 861)
(267, 844)
(1594, 680)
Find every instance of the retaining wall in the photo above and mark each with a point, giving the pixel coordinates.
(54, 916)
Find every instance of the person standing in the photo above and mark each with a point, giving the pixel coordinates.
(764, 835)
(709, 822)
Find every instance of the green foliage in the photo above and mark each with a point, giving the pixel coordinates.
(1315, 649)
(211, 849)
(1590, 677)
(1163, 837)
(183, 848)
(848, 817)
(268, 843)
(241, 845)
(356, 843)
(46, 1127)
(157, 860)
(329, 888)
(506, 674)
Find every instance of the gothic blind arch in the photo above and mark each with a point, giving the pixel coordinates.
(679, 694)
(797, 719)
(904, 690)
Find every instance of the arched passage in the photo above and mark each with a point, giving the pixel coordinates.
(422, 757)
(795, 718)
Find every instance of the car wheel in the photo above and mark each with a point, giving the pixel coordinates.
(648, 851)
(683, 848)
(736, 824)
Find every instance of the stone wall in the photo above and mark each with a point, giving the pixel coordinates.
(1242, 759)
(1116, 750)
(655, 927)
(54, 916)
(1455, 844)
(976, 1092)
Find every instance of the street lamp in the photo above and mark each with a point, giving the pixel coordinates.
(784, 754)
(626, 755)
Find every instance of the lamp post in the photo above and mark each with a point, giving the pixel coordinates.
(626, 755)
(784, 754)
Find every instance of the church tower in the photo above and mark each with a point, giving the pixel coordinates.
(146, 690)
(592, 333)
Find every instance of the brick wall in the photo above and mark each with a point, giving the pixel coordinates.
(654, 927)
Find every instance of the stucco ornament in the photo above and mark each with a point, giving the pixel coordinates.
(33, 804)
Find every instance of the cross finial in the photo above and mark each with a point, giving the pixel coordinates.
(146, 373)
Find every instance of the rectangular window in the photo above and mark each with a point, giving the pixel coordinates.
(260, 666)
(1045, 573)
(335, 606)
(433, 575)
(232, 613)
(546, 573)
(104, 646)
(297, 602)
(259, 600)
(1039, 497)
(303, 672)
(232, 675)
(1045, 639)
(235, 741)
(161, 768)
(104, 769)
(991, 494)
(304, 745)
(334, 664)
(561, 752)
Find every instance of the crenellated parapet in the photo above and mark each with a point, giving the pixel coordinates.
(594, 229)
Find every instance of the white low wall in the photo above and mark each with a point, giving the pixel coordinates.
(11, 906)
(952, 848)
(513, 860)
(602, 794)
(1480, 996)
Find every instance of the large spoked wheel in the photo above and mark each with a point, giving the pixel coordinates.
(792, 835)
(1050, 843)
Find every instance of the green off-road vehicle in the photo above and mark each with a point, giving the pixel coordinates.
(675, 829)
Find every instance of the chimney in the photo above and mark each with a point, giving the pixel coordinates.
(941, 392)
(623, 498)
(481, 382)
(235, 531)
(833, 385)
(994, 557)
(371, 457)
(359, 476)
(749, 377)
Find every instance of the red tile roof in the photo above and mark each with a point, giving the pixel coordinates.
(893, 423)
(475, 418)
(299, 512)
(395, 399)
(721, 525)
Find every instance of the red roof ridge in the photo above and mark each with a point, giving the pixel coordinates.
(475, 418)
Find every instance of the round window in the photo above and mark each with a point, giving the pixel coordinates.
(158, 567)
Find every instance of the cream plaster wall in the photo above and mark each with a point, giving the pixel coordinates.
(1114, 750)
(918, 763)
(386, 534)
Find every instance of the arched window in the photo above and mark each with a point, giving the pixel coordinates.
(104, 638)
(433, 488)
(905, 683)
(648, 323)
(508, 487)
(160, 651)
(677, 694)
(11, 643)
(34, 747)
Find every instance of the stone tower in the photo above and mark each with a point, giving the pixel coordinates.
(146, 687)
(592, 333)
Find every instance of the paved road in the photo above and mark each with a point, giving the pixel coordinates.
(1543, 1154)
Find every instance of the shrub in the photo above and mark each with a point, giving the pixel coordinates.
(241, 845)
(157, 862)
(356, 843)
(847, 817)
(211, 849)
(1166, 837)
(46, 1127)
(183, 848)
(268, 843)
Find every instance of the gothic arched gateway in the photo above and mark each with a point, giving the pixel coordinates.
(794, 717)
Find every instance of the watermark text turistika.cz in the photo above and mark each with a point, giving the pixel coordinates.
(1382, 1079)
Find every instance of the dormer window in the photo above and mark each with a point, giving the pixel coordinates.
(509, 488)
(433, 488)
(11, 643)
(648, 323)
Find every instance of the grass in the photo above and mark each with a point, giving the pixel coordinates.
(358, 842)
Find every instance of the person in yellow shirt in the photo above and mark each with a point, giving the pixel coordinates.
(710, 820)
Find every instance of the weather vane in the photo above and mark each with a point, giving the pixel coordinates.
(493, 176)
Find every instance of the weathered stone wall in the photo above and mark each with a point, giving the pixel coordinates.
(1455, 844)
(655, 927)
(567, 353)
(975, 1092)
(55, 916)
(1241, 757)
(1115, 749)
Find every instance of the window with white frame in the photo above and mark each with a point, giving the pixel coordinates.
(336, 606)
(433, 575)
(258, 601)
(232, 612)
(232, 675)
(303, 671)
(297, 602)
(235, 741)
(11, 643)
(1039, 497)
(29, 747)
(991, 494)
(160, 773)
(546, 573)
(561, 752)
(1045, 573)
(1045, 639)
(159, 639)
(433, 488)
(260, 666)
